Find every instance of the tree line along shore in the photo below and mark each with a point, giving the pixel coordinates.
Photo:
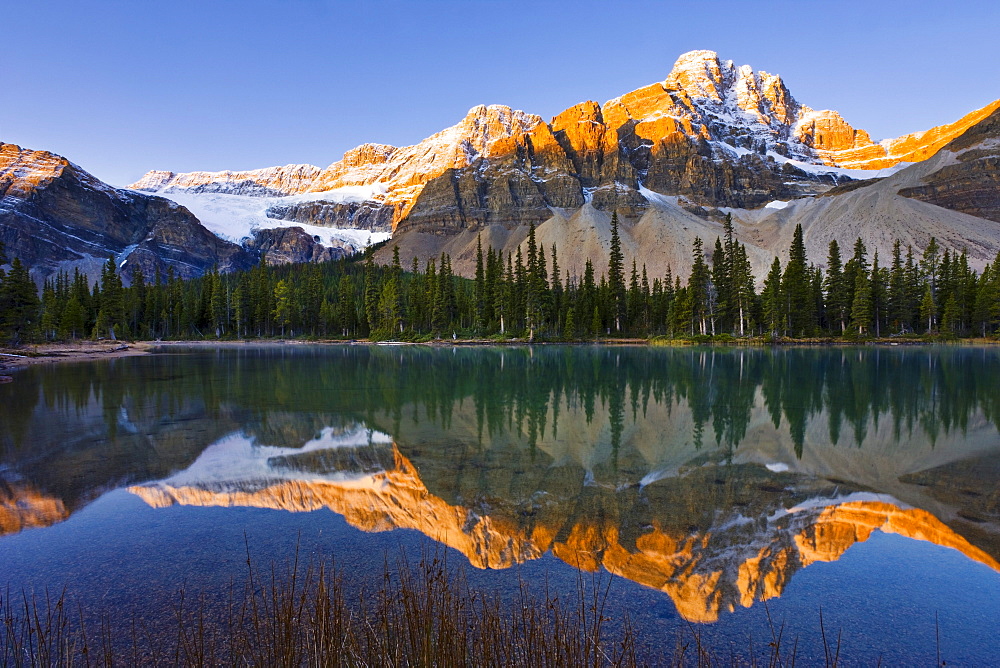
(915, 294)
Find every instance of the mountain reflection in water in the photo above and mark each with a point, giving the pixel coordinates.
(712, 475)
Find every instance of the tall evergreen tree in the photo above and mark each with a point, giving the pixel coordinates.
(861, 308)
(836, 291)
(772, 299)
(898, 311)
(857, 264)
(19, 304)
(878, 295)
(742, 289)
(616, 275)
(796, 288)
(699, 288)
(283, 304)
(479, 321)
(111, 314)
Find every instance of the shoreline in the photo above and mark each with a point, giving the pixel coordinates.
(16, 359)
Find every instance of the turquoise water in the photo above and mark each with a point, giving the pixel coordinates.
(719, 486)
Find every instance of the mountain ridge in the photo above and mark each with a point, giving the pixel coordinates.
(671, 158)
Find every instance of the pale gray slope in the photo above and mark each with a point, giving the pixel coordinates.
(879, 215)
(664, 234)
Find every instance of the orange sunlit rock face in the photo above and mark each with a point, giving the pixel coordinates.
(705, 571)
(712, 132)
(840, 145)
(22, 507)
(22, 171)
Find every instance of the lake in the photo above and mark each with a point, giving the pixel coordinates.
(726, 490)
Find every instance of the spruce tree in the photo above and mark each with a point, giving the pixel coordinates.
(616, 275)
(742, 289)
(772, 301)
(877, 295)
(836, 292)
(19, 304)
(283, 304)
(699, 288)
(928, 308)
(896, 297)
(861, 308)
(111, 315)
(796, 288)
(479, 320)
(371, 294)
(929, 265)
(722, 265)
(857, 264)
(557, 292)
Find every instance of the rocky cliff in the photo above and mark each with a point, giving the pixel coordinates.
(953, 195)
(970, 182)
(54, 215)
(711, 132)
(671, 158)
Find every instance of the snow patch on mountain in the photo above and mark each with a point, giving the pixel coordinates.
(235, 217)
(841, 171)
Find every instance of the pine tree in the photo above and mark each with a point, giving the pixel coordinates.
(616, 275)
(283, 304)
(19, 304)
(633, 300)
(928, 308)
(219, 305)
(346, 306)
(861, 308)
(896, 298)
(111, 314)
(950, 316)
(723, 257)
(857, 264)
(836, 292)
(699, 288)
(722, 266)
(929, 265)
(742, 289)
(73, 321)
(771, 298)
(557, 291)
(390, 316)
(796, 288)
(569, 328)
(49, 323)
(534, 286)
(987, 303)
(479, 321)
(877, 295)
(587, 300)
(371, 294)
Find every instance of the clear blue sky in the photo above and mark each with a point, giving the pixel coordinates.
(124, 87)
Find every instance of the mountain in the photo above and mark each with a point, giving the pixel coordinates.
(952, 195)
(54, 215)
(671, 158)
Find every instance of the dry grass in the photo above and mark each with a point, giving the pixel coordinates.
(418, 615)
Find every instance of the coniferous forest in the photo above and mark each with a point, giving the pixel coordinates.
(928, 291)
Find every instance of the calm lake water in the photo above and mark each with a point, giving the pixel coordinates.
(719, 486)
